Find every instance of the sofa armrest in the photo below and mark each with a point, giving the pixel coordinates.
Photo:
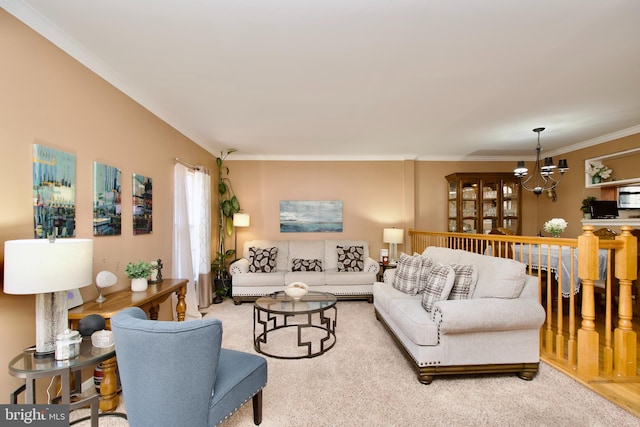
(371, 265)
(488, 314)
(239, 266)
(389, 276)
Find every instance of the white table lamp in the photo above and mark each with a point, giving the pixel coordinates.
(48, 269)
(393, 236)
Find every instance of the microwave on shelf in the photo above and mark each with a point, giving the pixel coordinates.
(629, 197)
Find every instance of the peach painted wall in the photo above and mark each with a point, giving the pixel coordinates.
(50, 99)
(372, 194)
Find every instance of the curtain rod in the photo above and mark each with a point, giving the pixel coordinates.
(182, 162)
(190, 166)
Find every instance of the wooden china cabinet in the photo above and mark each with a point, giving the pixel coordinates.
(479, 202)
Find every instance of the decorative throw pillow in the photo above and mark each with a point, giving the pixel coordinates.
(407, 274)
(439, 284)
(298, 264)
(427, 263)
(350, 258)
(262, 260)
(466, 277)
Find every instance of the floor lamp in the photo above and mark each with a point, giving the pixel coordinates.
(240, 220)
(48, 269)
(393, 236)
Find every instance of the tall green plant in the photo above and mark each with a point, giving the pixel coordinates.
(228, 204)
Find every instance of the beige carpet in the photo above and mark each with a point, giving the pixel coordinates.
(365, 381)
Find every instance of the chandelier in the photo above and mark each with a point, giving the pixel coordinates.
(541, 179)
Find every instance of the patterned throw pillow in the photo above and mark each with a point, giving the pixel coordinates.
(407, 272)
(350, 258)
(262, 260)
(427, 263)
(466, 277)
(298, 264)
(439, 284)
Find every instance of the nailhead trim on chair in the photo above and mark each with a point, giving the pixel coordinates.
(241, 405)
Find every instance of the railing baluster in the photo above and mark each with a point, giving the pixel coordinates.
(625, 340)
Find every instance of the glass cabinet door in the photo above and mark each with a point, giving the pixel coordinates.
(469, 206)
(510, 199)
(489, 205)
(453, 206)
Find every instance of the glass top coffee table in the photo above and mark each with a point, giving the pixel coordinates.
(285, 328)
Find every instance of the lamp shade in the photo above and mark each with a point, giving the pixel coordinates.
(393, 235)
(39, 266)
(241, 219)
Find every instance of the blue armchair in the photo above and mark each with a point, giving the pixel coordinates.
(176, 373)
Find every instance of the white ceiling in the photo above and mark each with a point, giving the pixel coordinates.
(364, 79)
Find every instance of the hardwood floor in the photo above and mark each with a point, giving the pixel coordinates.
(623, 391)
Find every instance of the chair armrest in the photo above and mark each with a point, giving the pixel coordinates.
(371, 265)
(389, 276)
(488, 314)
(239, 266)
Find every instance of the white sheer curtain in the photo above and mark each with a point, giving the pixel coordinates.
(192, 235)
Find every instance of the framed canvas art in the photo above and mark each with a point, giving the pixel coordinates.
(142, 204)
(310, 216)
(107, 200)
(54, 193)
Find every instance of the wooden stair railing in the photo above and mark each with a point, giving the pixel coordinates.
(566, 345)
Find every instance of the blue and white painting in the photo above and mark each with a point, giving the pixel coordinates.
(54, 193)
(107, 200)
(301, 216)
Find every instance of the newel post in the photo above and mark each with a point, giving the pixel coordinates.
(624, 338)
(588, 272)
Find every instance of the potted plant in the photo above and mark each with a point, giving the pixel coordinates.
(586, 207)
(138, 272)
(228, 204)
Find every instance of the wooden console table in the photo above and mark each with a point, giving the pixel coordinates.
(148, 300)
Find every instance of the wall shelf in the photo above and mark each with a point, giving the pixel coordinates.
(612, 157)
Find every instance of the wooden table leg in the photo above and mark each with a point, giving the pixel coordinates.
(181, 306)
(154, 309)
(109, 387)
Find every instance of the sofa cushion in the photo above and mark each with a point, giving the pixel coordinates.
(350, 258)
(262, 260)
(300, 264)
(439, 283)
(310, 278)
(305, 249)
(259, 279)
(413, 321)
(497, 277)
(335, 277)
(464, 284)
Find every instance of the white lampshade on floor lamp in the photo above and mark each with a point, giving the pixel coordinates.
(48, 269)
(394, 237)
(240, 220)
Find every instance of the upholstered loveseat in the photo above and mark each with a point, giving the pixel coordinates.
(341, 267)
(454, 312)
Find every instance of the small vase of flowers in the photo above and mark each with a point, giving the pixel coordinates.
(598, 172)
(555, 226)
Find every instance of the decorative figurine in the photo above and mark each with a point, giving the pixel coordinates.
(156, 271)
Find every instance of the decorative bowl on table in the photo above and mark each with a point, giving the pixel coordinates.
(296, 290)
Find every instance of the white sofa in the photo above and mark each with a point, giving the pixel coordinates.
(496, 329)
(247, 286)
